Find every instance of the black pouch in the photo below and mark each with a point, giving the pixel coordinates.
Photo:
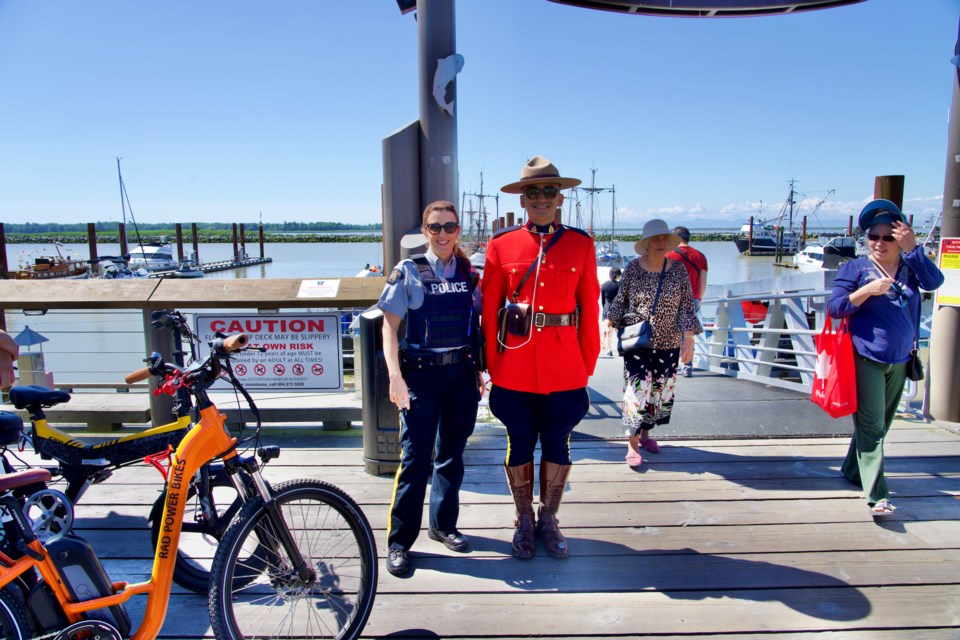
(518, 318)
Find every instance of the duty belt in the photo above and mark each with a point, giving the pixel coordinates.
(555, 319)
(418, 359)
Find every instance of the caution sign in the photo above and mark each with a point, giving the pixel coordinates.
(303, 352)
(949, 292)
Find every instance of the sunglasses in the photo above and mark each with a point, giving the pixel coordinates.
(436, 227)
(875, 237)
(534, 193)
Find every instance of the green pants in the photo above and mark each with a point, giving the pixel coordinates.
(879, 388)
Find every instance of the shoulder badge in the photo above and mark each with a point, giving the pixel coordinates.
(395, 276)
(580, 231)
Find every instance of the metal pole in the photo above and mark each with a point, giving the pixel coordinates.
(944, 342)
(438, 127)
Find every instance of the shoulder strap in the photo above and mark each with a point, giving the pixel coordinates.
(659, 289)
(423, 266)
(533, 265)
(687, 260)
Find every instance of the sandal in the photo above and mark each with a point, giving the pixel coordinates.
(634, 459)
(650, 445)
(882, 508)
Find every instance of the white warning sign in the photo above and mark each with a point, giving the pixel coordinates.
(303, 352)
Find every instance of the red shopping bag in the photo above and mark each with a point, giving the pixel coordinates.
(835, 376)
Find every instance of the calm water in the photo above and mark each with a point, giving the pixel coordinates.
(103, 346)
(345, 259)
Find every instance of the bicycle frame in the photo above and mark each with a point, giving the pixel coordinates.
(207, 441)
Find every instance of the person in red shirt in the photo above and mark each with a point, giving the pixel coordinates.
(540, 301)
(696, 264)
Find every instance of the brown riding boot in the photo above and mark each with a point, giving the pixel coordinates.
(520, 479)
(553, 479)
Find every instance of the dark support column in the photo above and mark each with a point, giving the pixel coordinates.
(196, 242)
(92, 240)
(401, 191)
(122, 236)
(243, 241)
(803, 231)
(179, 228)
(750, 238)
(509, 218)
(436, 35)
(4, 265)
(944, 401)
(850, 226)
(260, 236)
(161, 341)
(235, 255)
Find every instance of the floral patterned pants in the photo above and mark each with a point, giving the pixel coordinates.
(649, 379)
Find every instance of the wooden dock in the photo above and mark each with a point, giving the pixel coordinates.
(732, 539)
(220, 265)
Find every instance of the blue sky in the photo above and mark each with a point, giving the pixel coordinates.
(222, 110)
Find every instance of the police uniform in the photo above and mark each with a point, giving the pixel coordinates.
(439, 303)
(539, 380)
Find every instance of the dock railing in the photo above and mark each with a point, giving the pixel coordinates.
(139, 298)
(763, 330)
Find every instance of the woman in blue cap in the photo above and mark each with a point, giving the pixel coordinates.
(880, 292)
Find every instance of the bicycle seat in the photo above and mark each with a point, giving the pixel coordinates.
(36, 396)
(23, 478)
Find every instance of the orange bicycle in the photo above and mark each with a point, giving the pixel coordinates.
(298, 561)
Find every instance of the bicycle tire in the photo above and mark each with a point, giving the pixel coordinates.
(14, 624)
(332, 533)
(195, 553)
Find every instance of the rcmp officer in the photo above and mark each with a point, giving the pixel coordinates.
(542, 343)
(434, 381)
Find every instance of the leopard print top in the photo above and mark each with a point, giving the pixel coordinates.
(675, 312)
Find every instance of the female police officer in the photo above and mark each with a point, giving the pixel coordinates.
(434, 381)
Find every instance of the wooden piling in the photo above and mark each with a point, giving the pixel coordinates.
(235, 256)
(850, 226)
(243, 241)
(92, 240)
(196, 242)
(803, 231)
(179, 229)
(509, 218)
(889, 188)
(750, 238)
(122, 234)
(4, 266)
(260, 237)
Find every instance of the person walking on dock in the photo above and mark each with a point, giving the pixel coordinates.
(656, 289)
(540, 304)
(434, 380)
(608, 291)
(696, 264)
(880, 293)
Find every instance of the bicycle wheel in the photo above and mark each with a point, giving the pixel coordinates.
(265, 598)
(199, 537)
(13, 616)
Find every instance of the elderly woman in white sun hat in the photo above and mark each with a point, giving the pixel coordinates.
(656, 289)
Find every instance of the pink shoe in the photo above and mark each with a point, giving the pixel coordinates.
(633, 458)
(650, 445)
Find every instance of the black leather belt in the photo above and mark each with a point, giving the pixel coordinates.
(419, 359)
(555, 319)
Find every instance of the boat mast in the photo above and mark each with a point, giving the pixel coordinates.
(792, 193)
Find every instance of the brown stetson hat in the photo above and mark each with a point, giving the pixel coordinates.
(537, 170)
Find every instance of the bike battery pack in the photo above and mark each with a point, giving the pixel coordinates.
(85, 578)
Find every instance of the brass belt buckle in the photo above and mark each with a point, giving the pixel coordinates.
(539, 319)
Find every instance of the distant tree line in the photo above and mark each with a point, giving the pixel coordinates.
(168, 227)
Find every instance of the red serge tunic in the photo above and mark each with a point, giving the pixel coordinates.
(554, 358)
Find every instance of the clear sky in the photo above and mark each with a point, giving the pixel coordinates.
(222, 110)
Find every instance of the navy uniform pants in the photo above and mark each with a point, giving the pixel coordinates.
(442, 415)
(549, 417)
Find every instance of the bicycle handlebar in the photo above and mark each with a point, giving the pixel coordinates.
(219, 347)
(137, 376)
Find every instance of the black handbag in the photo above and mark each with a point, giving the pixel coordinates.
(914, 366)
(634, 337)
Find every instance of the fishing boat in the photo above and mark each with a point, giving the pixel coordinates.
(774, 235)
(188, 269)
(52, 268)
